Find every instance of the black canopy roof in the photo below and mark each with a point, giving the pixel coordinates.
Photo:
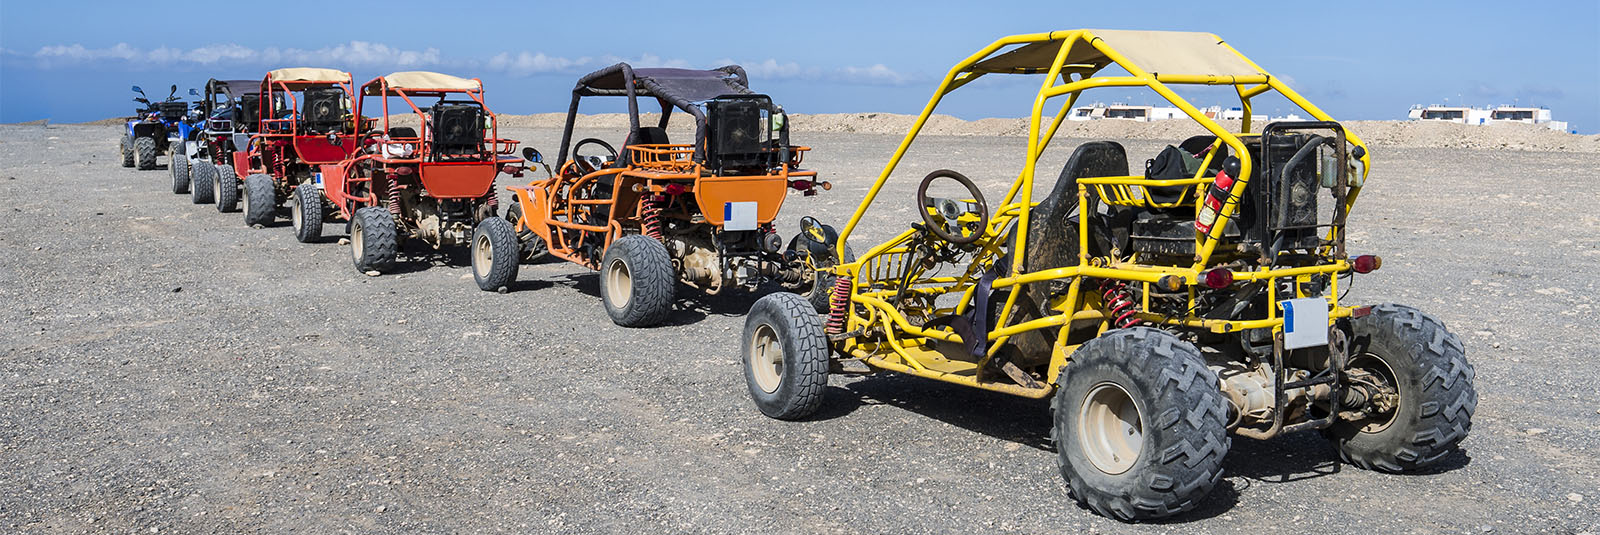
(677, 88)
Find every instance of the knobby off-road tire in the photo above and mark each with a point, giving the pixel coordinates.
(179, 168)
(1428, 365)
(785, 355)
(125, 147)
(373, 241)
(306, 207)
(532, 247)
(1140, 425)
(144, 155)
(225, 189)
(637, 281)
(203, 189)
(495, 254)
(260, 200)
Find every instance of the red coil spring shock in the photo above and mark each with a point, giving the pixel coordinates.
(394, 197)
(650, 217)
(838, 305)
(1120, 303)
(492, 199)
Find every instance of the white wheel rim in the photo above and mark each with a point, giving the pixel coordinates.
(483, 255)
(1110, 429)
(294, 207)
(356, 244)
(619, 283)
(766, 359)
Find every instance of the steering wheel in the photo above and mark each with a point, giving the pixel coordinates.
(590, 164)
(947, 218)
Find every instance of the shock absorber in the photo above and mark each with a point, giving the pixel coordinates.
(493, 200)
(1119, 303)
(650, 217)
(394, 197)
(838, 305)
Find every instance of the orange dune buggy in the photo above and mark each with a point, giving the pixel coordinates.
(434, 185)
(657, 212)
(304, 121)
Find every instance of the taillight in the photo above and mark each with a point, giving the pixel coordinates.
(673, 189)
(801, 185)
(1218, 279)
(1366, 263)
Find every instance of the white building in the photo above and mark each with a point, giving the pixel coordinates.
(1483, 116)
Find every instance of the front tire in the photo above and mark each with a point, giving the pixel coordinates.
(1427, 365)
(144, 154)
(637, 281)
(373, 242)
(495, 254)
(179, 167)
(306, 207)
(202, 190)
(260, 200)
(225, 189)
(1140, 425)
(785, 355)
(125, 147)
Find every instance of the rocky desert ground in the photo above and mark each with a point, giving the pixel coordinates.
(164, 368)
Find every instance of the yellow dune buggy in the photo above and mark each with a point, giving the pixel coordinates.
(1162, 311)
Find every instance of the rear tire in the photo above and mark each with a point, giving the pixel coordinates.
(260, 200)
(495, 254)
(373, 243)
(225, 189)
(179, 167)
(1140, 425)
(1428, 366)
(144, 155)
(785, 355)
(125, 146)
(306, 206)
(637, 281)
(202, 189)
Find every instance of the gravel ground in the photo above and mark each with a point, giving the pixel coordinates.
(165, 368)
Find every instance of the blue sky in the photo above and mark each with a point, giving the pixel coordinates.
(74, 61)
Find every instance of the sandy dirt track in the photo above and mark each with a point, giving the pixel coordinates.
(165, 368)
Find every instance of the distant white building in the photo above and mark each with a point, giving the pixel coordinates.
(1483, 116)
(1131, 112)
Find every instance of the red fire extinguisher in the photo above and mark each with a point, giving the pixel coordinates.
(1217, 195)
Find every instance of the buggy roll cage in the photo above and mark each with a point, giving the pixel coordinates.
(1154, 60)
(418, 84)
(282, 84)
(672, 88)
(226, 88)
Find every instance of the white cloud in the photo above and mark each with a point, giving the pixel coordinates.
(352, 54)
(378, 56)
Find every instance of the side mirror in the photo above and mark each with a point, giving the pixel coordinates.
(137, 90)
(333, 139)
(193, 91)
(174, 90)
(532, 155)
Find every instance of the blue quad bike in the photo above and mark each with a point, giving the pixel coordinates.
(153, 131)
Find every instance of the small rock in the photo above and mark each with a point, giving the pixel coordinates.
(381, 508)
(401, 321)
(504, 289)
(1535, 431)
(373, 273)
(257, 226)
(176, 289)
(1486, 529)
(1575, 497)
(344, 241)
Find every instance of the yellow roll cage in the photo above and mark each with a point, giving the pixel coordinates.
(1155, 60)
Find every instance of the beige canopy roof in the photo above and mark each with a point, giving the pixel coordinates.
(1184, 53)
(414, 80)
(309, 74)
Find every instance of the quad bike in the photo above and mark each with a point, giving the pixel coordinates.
(151, 131)
(303, 121)
(228, 114)
(658, 213)
(435, 185)
(1160, 312)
